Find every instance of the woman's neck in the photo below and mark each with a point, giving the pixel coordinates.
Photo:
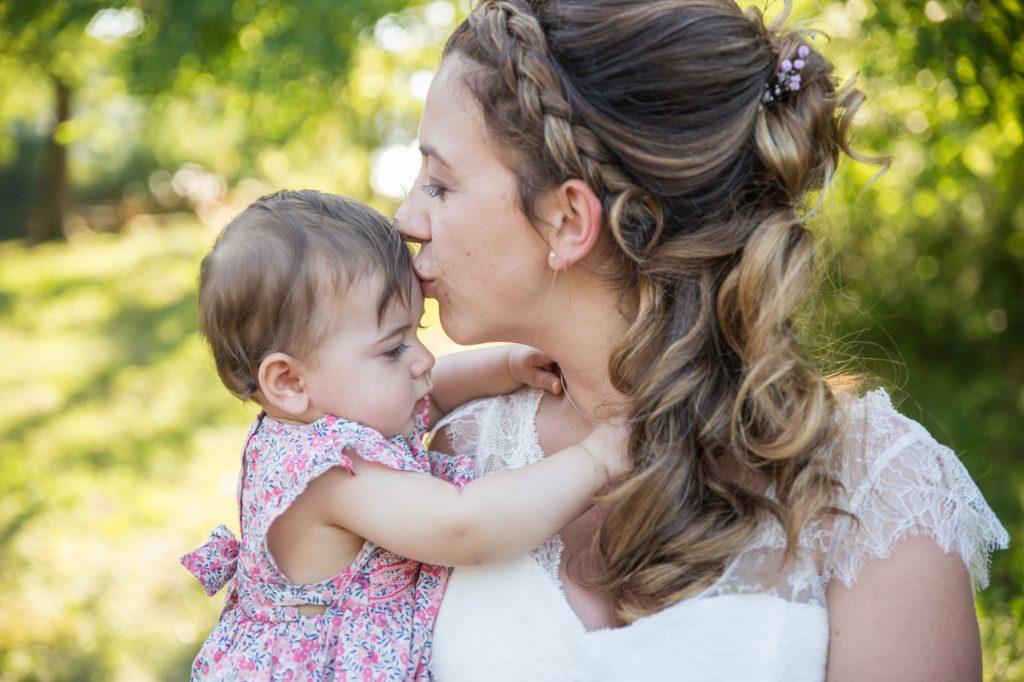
(581, 338)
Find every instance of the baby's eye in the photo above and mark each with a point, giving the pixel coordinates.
(434, 191)
(397, 350)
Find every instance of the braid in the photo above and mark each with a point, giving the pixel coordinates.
(509, 30)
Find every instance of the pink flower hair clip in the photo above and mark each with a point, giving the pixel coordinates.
(787, 79)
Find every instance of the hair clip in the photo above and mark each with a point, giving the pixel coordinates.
(787, 79)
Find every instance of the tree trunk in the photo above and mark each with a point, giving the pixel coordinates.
(46, 223)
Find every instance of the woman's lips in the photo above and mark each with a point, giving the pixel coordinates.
(426, 284)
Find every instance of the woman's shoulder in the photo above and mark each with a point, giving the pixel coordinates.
(877, 440)
(496, 432)
(872, 420)
(874, 436)
(898, 481)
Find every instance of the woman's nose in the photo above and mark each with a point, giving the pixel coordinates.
(411, 221)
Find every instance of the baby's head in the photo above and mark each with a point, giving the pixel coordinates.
(288, 290)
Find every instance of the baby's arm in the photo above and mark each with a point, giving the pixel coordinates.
(465, 376)
(497, 517)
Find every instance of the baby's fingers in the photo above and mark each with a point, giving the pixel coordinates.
(536, 368)
(543, 377)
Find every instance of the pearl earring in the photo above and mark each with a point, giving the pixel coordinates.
(552, 255)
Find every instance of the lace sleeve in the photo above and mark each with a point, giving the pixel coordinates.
(457, 434)
(496, 433)
(900, 482)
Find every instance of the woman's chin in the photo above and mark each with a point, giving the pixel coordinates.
(455, 329)
(467, 329)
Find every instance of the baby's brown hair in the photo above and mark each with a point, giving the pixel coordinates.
(261, 286)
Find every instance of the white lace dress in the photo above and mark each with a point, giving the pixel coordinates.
(511, 621)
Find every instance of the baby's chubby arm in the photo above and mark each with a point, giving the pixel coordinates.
(497, 517)
(461, 377)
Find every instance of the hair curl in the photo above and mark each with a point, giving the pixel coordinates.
(656, 105)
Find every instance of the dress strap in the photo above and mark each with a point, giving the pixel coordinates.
(278, 601)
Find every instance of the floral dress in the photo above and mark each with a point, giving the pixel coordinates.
(380, 610)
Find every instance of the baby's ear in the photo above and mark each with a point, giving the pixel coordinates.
(280, 379)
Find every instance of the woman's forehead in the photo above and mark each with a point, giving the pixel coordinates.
(452, 126)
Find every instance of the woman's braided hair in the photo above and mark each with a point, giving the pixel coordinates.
(657, 106)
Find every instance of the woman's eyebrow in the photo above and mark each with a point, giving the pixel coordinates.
(428, 150)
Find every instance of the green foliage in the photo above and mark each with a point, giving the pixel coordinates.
(50, 36)
(229, 81)
(244, 89)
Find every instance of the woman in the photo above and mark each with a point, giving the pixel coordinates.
(621, 183)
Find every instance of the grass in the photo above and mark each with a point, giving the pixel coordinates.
(120, 451)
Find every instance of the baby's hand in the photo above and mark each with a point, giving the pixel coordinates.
(609, 444)
(532, 367)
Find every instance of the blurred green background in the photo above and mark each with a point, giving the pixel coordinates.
(131, 131)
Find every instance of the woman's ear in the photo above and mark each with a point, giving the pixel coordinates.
(280, 379)
(575, 213)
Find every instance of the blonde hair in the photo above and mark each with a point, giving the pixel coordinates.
(262, 286)
(657, 105)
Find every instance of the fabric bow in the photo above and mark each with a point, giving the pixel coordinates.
(214, 563)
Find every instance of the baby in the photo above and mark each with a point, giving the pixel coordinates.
(310, 306)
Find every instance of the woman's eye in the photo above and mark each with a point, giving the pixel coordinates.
(397, 350)
(434, 191)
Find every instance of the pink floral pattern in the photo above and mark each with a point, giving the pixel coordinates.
(380, 610)
(215, 562)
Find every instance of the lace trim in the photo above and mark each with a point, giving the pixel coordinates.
(898, 482)
(548, 555)
(913, 487)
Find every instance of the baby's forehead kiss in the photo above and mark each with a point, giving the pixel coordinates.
(373, 300)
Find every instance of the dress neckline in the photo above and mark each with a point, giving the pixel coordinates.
(537, 396)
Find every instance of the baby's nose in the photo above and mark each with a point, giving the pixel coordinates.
(424, 361)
